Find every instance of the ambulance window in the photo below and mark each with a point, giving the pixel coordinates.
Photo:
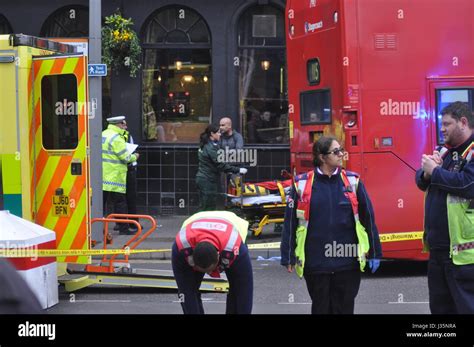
(59, 112)
(444, 97)
(316, 107)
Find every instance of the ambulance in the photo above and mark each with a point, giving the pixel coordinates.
(44, 143)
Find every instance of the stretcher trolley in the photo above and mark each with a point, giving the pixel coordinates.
(259, 203)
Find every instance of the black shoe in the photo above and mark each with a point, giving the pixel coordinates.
(134, 227)
(128, 232)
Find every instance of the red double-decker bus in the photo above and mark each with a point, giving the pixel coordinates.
(376, 74)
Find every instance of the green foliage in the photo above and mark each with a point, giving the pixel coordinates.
(120, 44)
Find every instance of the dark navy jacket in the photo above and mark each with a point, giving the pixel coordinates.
(331, 220)
(443, 181)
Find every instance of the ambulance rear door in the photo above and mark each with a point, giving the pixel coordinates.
(59, 137)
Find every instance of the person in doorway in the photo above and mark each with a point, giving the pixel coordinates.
(329, 210)
(447, 177)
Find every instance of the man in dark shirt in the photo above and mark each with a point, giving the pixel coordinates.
(230, 138)
(451, 286)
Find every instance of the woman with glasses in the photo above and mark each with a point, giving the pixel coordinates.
(210, 167)
(329, 233)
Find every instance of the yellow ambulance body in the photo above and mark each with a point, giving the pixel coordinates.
(44, 139)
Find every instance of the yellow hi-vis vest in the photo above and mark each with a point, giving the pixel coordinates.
(304, 189)
(240, 224)
(461, 223)
(115, 158)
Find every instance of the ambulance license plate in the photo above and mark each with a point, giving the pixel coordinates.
(61, 206)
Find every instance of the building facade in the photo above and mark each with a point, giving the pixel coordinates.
(201, 60)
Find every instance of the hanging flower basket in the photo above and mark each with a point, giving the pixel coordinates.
(120, 44)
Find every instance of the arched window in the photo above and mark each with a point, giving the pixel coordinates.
(5, 27)
(263, 95)
(69, 21)
(176, 84)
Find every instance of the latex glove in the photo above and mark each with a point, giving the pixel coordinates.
(243, 170)
(374, 264)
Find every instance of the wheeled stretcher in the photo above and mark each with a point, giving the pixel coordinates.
(259, 203)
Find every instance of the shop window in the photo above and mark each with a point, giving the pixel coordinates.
(5, 27)
(176, 83)
(59, 127)
(263, 96)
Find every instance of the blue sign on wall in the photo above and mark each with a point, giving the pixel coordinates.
(97, 70)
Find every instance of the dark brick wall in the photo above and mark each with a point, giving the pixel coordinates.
(166, 177)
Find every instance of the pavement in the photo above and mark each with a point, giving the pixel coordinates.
(164, 235)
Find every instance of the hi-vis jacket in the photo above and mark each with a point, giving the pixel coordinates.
(300, 220)
(115, 158)
(223, 229)
(455, 178)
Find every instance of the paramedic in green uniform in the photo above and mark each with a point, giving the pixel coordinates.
(210, 167)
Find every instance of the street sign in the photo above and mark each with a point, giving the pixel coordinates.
(97, 70)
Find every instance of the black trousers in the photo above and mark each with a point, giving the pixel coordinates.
(132, 192)
(118, 202)
(333, 293)
(240, 276)
(451, 287)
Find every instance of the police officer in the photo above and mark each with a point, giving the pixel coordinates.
(115, 158)
(131, 194)
(448, 178)
(213, 242)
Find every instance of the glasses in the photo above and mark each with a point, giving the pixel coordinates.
(336, 151)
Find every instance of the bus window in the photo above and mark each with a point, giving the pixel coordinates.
(444, 97)
(316, 107)
(313, 71)
(59, 112)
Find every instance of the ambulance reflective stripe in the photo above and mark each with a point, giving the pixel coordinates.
(50, 171)
(11, 179)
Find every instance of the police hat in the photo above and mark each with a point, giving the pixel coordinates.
(116, 120)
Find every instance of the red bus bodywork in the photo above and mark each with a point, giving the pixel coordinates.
(381, 65)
